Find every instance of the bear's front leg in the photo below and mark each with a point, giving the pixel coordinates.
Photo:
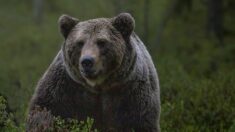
(39, 120)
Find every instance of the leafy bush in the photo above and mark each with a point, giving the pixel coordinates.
(7, 123)
(232, 128)
(195, 104)
(72, 125)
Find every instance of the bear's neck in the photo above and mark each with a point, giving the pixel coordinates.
(124, 72)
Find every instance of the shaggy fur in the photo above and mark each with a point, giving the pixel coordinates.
(123, 96)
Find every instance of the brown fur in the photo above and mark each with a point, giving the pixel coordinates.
(123, 95)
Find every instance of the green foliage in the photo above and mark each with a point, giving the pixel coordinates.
(194, 104)
(197, 77)
(72, 125)
(232, 128)
(7, 123)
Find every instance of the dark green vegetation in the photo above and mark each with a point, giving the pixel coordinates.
(196, 66)
(74, 125)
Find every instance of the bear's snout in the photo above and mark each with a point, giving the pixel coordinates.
(87, 65)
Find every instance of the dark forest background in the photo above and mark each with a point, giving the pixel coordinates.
(192, 43)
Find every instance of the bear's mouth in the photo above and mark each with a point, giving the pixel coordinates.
(90, 74)
(93, 78)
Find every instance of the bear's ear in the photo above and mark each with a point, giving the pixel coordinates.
(66, 23)
(124, 23)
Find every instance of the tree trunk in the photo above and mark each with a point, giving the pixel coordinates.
(215, 19)
(38, 11)
(146, 20)
(182, 5)
(165, 18)
(118, 4)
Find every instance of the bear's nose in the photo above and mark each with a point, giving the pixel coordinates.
(87, 62)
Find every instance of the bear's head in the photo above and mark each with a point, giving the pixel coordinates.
(95, 49)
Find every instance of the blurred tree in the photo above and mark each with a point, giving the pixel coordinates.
(118, 4)
(146, 20)
(182, 4)
(38, 11)
(53, 5)
(215, 19)
(175, 7)
(230, 5)
(165, 18)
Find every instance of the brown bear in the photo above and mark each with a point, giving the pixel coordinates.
(103, 71)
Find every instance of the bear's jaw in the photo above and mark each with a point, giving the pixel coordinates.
(95, 82)
(91, 83)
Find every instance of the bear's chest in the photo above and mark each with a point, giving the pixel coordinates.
(102, 107)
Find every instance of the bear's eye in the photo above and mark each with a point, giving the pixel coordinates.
(80, 44)
(101, 43)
